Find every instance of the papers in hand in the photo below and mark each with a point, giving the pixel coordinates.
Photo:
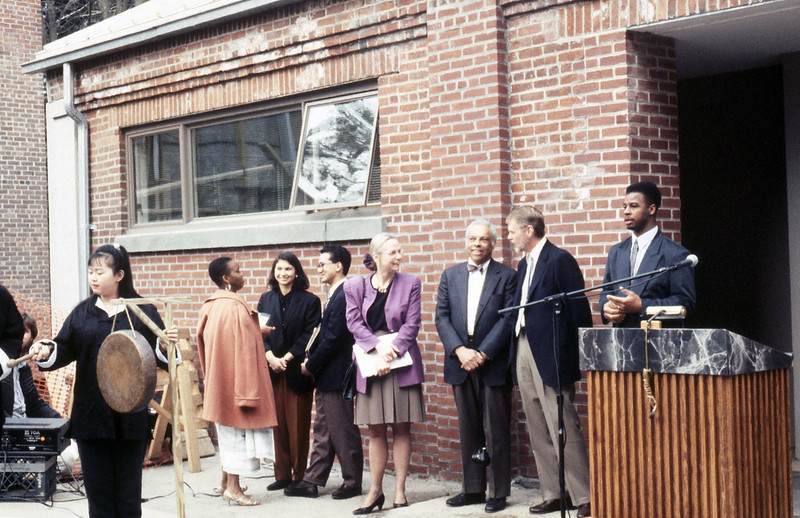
(368, 362)
(263, 319)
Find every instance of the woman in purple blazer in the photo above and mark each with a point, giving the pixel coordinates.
(383, 303)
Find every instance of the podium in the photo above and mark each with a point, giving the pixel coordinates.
(719, 444)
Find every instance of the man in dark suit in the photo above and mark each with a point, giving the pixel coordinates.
(647, 249)
(477, 343)
(334, 431)
(548, 270)
(11, 331)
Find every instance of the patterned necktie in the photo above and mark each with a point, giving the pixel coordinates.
(634, 253)
(472, 267)
(526, 285)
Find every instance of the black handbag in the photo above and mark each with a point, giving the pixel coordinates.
(349, 385)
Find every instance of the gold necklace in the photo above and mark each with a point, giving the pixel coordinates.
(384, 288)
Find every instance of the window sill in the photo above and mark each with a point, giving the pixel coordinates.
(269, 229)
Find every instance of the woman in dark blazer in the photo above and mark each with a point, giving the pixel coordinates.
(383, 303)
(293, 312)
(111, 445)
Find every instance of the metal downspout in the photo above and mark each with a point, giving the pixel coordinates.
(82, 169)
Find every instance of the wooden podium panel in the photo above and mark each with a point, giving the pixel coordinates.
(718, 446)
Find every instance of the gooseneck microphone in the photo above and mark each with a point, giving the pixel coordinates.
(691, 260)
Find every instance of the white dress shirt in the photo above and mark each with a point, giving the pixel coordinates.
(644, 242)
(474, 289)
(532, 258)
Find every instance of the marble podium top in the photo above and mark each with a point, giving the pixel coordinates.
(680, 351)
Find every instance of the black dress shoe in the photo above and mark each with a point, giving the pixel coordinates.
(584, 511)
(368, 509)
(462, 499)
(495, 504)
(278, 484)
(302, 488)
(344, 492)
(548, 506)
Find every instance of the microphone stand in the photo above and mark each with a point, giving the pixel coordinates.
(562, 296)
(558, 300)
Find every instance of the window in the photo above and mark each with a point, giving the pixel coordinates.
(157, 180)
(334, 168)
(250, 163)
(245, 166)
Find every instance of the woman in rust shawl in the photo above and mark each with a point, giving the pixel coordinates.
(238, 395)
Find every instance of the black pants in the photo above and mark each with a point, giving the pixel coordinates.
(112, 476)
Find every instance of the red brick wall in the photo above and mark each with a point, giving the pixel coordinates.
(24, 256)
(482, 105)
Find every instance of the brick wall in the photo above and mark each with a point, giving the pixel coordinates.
(24, 256)
(482, 105)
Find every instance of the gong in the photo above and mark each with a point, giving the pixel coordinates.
(126, 371)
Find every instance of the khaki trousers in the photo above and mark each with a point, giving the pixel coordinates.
(541, 411)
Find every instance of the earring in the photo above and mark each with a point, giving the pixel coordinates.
(228, 287)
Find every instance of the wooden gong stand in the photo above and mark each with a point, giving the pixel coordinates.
(177, 453)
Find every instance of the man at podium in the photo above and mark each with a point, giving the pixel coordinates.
(646, 250)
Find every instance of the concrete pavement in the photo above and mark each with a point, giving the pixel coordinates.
(426, 499)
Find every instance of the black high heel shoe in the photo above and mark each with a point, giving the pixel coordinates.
(370, 508)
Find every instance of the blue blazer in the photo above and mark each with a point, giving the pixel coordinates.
(492, 333)
(675, 288)
(556, 272)
(331, 356)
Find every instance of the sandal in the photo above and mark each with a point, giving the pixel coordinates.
(221, 490)
(243, 500)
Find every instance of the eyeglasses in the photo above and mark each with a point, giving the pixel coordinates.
(320, 266)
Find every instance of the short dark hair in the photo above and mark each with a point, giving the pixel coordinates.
(300, 281)
(218, 268)
(652, 196)
(30, 324)
(339, 254)
(117, 258)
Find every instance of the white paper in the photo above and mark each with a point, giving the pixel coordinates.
(368, 362)
(263, 319)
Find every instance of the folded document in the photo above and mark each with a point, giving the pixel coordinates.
(368, 362)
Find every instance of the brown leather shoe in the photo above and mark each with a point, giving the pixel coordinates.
(549, 506)
(584, 511)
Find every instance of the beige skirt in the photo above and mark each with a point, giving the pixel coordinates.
(386, 402)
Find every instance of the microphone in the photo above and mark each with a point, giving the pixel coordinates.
(691, 260)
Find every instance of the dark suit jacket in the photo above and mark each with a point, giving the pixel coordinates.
(34, 405)
(291, 333)
(556, 272)
(492, 333)
(675, 288)
(332, 355)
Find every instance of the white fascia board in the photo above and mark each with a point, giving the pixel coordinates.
(151, 21)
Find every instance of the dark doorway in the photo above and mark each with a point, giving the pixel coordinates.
(733, 202)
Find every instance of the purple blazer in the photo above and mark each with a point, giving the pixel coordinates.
(403, 316)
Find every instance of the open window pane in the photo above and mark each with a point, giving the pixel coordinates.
(336, 161)
(245, 166)
(157, 177)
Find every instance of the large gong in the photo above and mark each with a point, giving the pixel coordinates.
(126, 371)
